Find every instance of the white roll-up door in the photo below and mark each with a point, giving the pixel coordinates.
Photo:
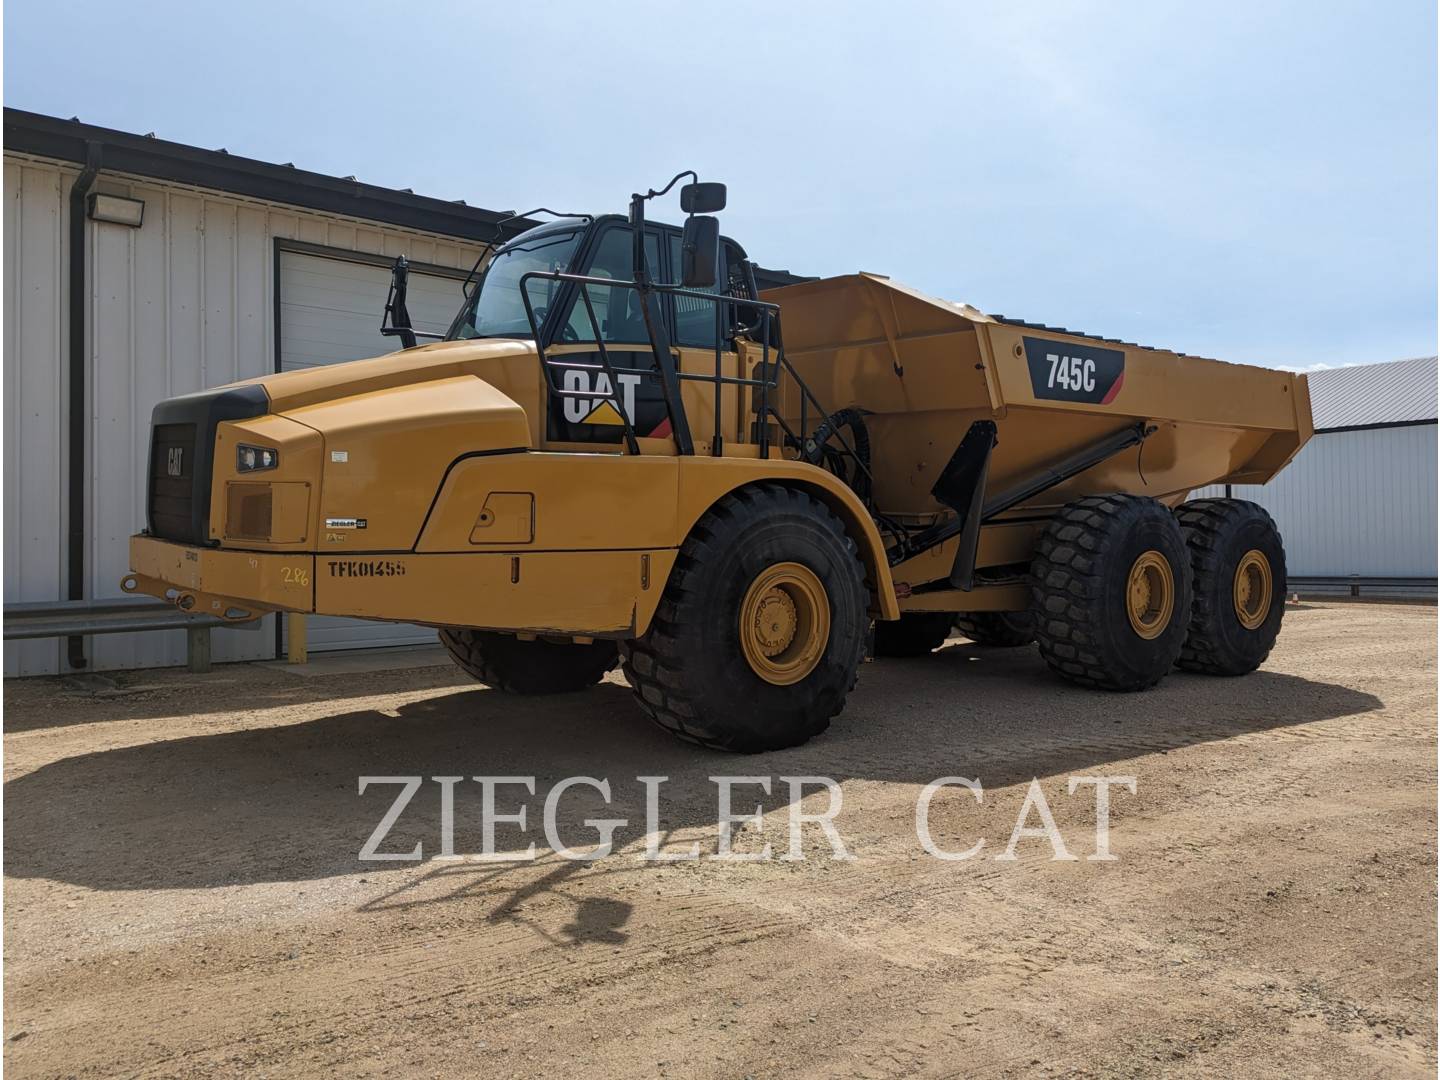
(329, 313)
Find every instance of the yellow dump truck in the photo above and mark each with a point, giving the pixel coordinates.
(622, 452)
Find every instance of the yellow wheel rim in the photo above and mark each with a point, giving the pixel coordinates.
(1150, 595)
(784, 623)
(1254, 588)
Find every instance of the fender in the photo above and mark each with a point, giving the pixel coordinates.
(705, 481)
(606, 502)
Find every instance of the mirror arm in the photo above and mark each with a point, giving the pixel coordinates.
(653, 194)
(395, 322)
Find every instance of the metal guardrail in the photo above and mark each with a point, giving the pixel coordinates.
(1357, 585)
(121, 615)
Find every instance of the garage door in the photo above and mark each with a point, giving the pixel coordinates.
(329, 313)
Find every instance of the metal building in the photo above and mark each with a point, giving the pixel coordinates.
(137, 269)
(1359, 500)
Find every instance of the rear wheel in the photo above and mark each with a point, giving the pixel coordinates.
(760, 629)
(1110, 589)
(1238, 562)
(999, 629)
(542, 666)
(913, 634)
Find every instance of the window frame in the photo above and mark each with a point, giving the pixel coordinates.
(569, 300)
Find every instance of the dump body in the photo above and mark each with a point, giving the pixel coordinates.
(924, 369)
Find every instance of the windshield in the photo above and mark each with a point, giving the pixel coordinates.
(495, 308)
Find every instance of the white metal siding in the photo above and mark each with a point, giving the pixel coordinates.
(36, 341)
(183, 303)
(1355, 502)
(330, 313)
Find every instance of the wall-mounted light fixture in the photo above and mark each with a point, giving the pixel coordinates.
(117, 209)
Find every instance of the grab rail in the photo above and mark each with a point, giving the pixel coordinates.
(765, 410)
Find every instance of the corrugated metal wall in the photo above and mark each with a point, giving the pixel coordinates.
(183, 303)
(1355, 502)
(36, 340)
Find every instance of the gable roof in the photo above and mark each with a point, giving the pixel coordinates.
(1374, 395)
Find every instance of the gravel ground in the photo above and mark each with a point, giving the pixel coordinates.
(183, 894)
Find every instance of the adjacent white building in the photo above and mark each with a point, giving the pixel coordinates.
(211, 268)
(1359, 498)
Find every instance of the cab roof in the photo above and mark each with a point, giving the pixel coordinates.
(570, 224)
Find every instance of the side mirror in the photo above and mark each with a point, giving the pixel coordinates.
(702, 198)
(699, 252)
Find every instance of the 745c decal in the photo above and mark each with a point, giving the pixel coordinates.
(1067, 372)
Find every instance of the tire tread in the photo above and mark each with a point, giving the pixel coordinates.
(656, 665)
(1203, 522)
(1066, 577)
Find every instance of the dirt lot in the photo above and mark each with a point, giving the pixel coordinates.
(183, 895)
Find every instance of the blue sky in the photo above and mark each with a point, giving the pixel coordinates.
(1250, 181)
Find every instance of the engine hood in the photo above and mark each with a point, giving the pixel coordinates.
(428, 363)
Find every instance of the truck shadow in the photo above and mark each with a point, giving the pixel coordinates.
(280, 804)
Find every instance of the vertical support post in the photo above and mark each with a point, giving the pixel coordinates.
(78, 421)
(295, 649)
(197, 649)
(765, 385)
(717, 441)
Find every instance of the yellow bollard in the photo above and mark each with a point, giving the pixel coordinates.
(295, 650)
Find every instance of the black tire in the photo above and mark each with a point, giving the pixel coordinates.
(689, 671)
(914, 634)
(529, 667)
(997, 629)
(1079, 582)
(1219, 533)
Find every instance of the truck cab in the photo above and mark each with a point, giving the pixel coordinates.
(507, 302)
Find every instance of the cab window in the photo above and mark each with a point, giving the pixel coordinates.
(617, 308)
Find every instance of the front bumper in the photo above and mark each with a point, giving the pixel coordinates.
(606, 593)
(233, 585)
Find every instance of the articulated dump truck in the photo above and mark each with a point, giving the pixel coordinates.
(621, 452)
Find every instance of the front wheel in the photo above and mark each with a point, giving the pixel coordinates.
(761, 627)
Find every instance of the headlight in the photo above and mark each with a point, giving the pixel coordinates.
(254, 458)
